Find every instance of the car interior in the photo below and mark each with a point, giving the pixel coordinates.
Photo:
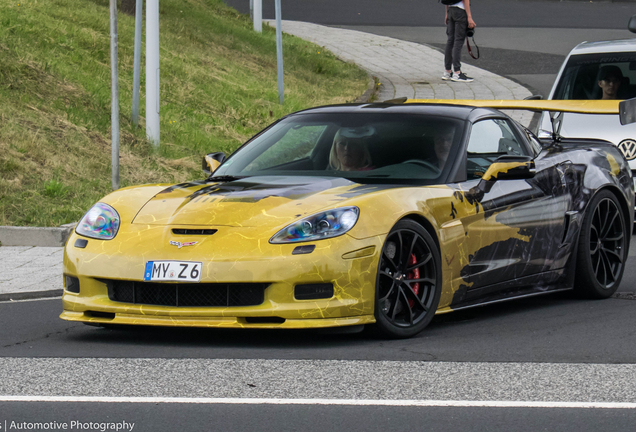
(581, 82)
(389, 146)
(490, 139)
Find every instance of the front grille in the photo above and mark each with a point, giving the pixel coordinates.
(186, 231)
(187, 295)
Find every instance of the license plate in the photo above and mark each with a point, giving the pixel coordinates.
(182, 271)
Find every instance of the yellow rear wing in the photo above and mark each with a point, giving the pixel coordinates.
(626, 109)
(573, 106)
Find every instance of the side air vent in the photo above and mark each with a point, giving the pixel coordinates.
(72, 284)
(313, 291)
(184, 231)
(97, 314)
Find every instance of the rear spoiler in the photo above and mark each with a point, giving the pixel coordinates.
(626, 109)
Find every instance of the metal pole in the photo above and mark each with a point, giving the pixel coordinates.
(152, 71)
(114, 97)
(279, 53)
(137, 63)
(252, 9)
(258, 16)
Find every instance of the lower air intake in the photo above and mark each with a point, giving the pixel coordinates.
(186, 295)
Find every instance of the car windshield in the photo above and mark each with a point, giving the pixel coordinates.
(364, 147)
(598, 76)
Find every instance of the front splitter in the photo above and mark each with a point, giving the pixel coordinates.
(216, 322)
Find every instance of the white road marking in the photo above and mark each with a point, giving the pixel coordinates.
(58, 298)
(349, 402)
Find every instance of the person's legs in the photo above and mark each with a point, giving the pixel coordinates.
(450, 33)
(460, 19)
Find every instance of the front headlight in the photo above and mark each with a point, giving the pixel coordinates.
(327, 224)
(100, 222)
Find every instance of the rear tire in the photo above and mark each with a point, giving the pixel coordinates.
(409, 281)
(602, 248)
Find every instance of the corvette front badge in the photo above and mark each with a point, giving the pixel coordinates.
(184, 244)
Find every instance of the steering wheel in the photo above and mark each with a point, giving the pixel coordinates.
(424, 164)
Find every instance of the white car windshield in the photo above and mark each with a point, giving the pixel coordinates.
(598, 76)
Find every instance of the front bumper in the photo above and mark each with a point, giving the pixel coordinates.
(347, 263)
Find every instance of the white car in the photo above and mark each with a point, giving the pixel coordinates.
(593, 70)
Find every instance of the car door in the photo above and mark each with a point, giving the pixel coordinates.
(517, 225)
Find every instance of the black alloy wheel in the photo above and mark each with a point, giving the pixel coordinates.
(602, 248)
(409, 282)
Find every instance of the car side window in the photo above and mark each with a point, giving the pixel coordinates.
(490, 139)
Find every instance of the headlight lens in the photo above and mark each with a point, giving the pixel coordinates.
(330, 223)
(100, 222)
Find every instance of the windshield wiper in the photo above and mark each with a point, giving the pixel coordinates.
(224, 178)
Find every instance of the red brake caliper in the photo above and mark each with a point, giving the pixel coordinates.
(415, 274)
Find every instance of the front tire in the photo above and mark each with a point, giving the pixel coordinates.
(409, 281)
(602, 248)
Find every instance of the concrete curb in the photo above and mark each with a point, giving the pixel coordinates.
(370, 93)
(35, 236)
(31, 295)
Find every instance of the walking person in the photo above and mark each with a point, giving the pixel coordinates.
(458, 20)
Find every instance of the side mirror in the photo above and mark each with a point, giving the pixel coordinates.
(533, 97)
(510, 167)
(212, 161)
(627, 110)
(507, 167)
(631, 25)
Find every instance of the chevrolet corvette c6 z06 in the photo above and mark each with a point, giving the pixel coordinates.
(377, 214)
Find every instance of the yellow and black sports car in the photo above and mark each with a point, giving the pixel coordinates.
(380, 214)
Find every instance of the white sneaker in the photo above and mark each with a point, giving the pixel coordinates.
(461, 77)
(446, 76)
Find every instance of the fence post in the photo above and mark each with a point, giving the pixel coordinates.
(114, 95)
(137, 63)
(279, 52)
(258, 16)
(152, 72)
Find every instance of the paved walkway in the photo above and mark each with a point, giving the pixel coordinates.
(403, 69)
(408, 69)
(30, 272)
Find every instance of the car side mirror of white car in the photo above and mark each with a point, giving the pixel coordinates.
(212, 161)
(632, 24)
(627, 111)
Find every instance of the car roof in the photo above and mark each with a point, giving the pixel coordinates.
(454, 111)
(622, 45)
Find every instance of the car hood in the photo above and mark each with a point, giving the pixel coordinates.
(267, 201)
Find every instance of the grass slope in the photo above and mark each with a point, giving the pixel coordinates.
(218, 88)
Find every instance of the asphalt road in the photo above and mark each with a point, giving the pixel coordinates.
(487, 13)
